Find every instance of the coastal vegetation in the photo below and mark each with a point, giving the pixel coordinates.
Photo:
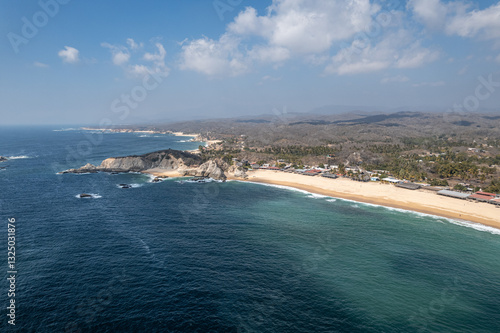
(440, 149)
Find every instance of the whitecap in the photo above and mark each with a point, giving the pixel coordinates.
(133, 185)
(317, 196)
(206, 180)
(20, 157)
(93, 196)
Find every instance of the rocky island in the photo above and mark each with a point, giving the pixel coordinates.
(165, 161)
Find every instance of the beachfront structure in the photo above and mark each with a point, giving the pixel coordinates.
(392, 180)
(483, 196)
(312, 172)
(495, 201)
(329, 175)
(454, 194)
(375, 179)
(408, 186)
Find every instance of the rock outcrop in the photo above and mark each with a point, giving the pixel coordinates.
(168, 160)
(3, 159)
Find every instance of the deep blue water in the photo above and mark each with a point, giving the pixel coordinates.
(224, 257)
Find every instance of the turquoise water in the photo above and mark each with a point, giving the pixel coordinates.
(225, 257)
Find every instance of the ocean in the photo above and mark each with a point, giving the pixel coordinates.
(223, 257)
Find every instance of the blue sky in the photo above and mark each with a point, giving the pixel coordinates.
(86, 61)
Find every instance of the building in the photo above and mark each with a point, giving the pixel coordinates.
(392, 180)
(408, 186)
(483, 196)
(312, 172)
(375, 179)
(329, 175)
(454, 194)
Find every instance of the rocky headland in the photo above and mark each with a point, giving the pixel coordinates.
(184, 163)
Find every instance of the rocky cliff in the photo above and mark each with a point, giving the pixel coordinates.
(168, 160)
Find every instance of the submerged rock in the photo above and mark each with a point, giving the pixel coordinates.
(3, 159)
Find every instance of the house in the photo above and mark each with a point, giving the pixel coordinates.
(375, 179)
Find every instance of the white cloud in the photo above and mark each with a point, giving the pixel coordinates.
(214, 57)
(397, 78)
(133, 45)
(306, 26)
(457, 18)
(40, 64)
(430, 84)
(69, 55)
(158, 60)
(268, 78)
(289, 28)
(430, 12)
(393, 50)
(269, 53)
(120, 54)
(482, 23)
(156, 57)
(415, 56)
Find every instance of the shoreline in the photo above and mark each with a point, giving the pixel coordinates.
(195, 137)
(379, 194)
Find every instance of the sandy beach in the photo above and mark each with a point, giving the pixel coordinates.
(183, 134)
(162, 172)
(422, 201)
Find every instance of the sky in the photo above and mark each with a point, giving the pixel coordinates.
(119, 62)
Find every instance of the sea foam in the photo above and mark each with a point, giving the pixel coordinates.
(93, 196)
(20, 157)
(357, 204)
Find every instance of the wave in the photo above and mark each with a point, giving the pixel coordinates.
(93, 196)
(183, 141)
(476, 226)
(357, 204)
(20, 157)
(133, 185)
(206, 180)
